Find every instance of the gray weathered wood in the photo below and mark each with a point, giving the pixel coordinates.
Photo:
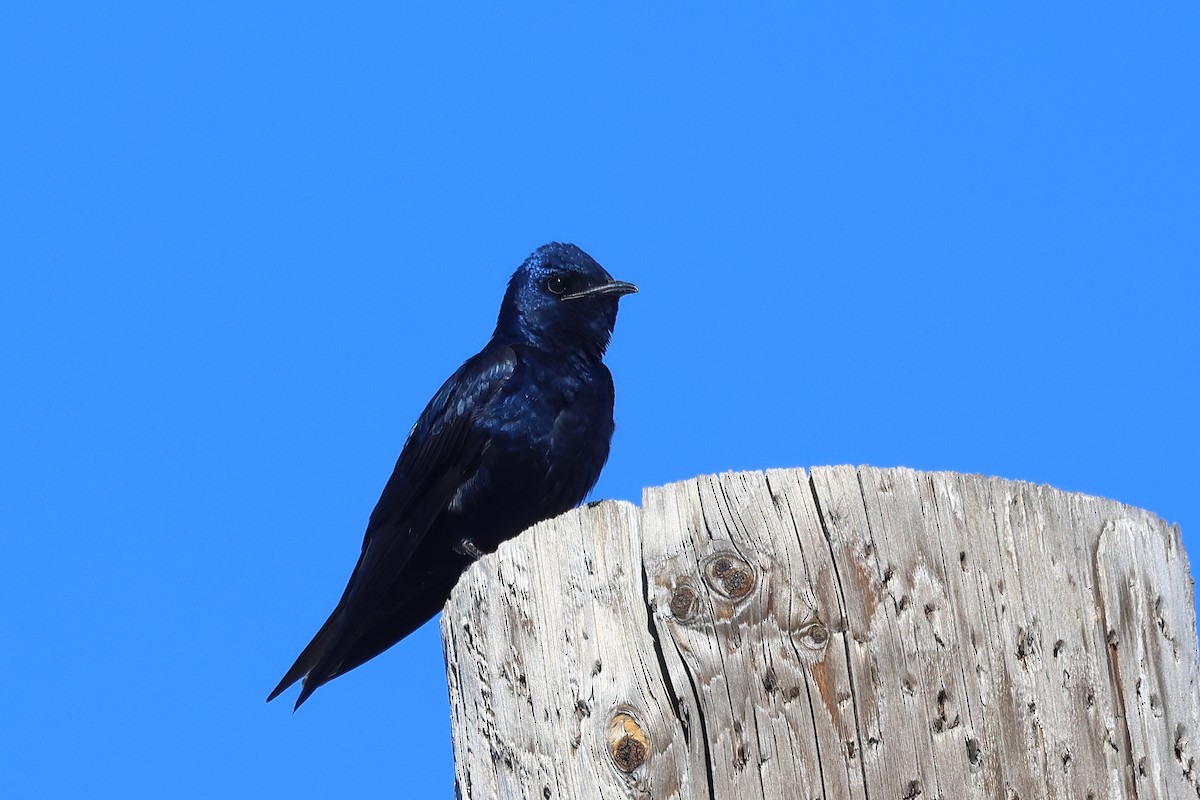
(836, 634)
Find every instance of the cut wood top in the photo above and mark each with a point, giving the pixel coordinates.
(839, 633)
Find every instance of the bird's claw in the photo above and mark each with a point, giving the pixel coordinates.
(467, 548)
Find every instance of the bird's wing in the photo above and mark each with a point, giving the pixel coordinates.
(443, 450)
(445, 444)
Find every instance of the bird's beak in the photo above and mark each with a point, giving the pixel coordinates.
(613, 288)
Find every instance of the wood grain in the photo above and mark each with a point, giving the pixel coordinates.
(843, 633)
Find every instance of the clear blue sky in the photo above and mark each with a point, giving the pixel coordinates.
(242, 244)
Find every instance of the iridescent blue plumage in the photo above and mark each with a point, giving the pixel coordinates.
(517, 435)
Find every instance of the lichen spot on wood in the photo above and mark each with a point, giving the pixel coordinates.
(629, 745)
(729, 575)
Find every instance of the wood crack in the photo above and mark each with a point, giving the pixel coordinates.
(858, 732)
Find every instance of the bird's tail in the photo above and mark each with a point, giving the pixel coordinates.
(307, 660)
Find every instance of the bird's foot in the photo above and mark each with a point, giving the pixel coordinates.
(468, 548)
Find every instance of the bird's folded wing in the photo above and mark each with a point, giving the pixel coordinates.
(443, 450)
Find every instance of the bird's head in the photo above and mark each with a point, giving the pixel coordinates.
(560, 298)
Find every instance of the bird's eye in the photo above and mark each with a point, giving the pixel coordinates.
(556, 284)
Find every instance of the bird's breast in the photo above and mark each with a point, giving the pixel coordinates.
(548, 440)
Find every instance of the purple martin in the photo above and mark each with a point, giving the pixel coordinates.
(517, 435)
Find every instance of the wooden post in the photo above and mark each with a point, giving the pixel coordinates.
(844, 633)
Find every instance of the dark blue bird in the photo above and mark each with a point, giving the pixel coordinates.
(517, 435)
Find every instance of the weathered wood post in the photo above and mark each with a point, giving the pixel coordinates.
(841, 634)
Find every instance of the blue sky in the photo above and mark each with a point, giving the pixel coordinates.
(242, 246)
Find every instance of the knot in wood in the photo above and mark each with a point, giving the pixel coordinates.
(814, 635)
(683, 603)
(729, 575)
(628, 743)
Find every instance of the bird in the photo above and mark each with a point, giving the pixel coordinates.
(518, 434)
